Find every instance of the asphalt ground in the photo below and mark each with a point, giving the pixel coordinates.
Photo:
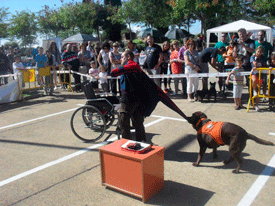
(43, 163)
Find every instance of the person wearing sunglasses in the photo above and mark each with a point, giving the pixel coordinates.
(192, 66)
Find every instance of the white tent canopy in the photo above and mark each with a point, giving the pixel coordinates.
(236, 25)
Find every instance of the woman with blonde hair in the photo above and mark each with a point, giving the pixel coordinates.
(192, 66)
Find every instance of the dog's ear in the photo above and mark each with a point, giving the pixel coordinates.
(202, 115)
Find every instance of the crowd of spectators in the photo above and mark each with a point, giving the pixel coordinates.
(98, 60)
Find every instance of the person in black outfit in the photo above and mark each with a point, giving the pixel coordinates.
(209, 55)
(246, 48)
(4, 66)
(154, 58)
(131, 106)
(70, 59)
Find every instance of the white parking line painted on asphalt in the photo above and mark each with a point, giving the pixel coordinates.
(62, 159)
(49, 164)
(39, 118)
(255, 189)
(271, 133)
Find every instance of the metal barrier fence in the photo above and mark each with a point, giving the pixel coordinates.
(251, 96)
(60, 75)
(56, 75)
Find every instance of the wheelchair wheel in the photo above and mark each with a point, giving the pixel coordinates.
(88, 123)
(110, 118)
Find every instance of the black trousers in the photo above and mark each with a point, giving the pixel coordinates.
(114, 83)
(132, 111)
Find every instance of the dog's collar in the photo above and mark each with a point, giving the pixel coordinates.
(200, 121)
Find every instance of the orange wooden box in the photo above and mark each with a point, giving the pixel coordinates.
(140, 175)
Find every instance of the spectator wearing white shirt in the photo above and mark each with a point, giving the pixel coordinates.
(18, 67)
(103, 80)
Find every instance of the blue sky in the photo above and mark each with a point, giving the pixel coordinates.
(37, 5)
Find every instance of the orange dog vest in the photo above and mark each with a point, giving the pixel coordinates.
(213, 129)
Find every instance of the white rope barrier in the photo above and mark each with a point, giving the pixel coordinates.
(218, 74)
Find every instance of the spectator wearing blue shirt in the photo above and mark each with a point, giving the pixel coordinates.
(40, 60)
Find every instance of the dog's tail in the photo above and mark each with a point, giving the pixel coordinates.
(259, 141)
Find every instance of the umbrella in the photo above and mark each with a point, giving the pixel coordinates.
(79, 38)
(154, 33)
(175, 33)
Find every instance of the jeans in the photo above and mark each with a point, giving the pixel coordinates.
(155, 72)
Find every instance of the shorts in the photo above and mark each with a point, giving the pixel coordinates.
(237, 91)
(263, 79)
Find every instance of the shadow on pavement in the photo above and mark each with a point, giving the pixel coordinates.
(46, 145)
(249, 166)
(175, 193)
(40, 99)
(173, 153)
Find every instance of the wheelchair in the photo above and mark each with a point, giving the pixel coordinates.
(91, 121)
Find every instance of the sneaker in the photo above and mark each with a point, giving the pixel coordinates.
(190, 100)
(237, 107)
(55, 88)
(257, 109)
(165, 91)
(170, 90)
(174, 94)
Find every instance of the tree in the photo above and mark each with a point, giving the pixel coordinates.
(182, 15)
(23, 26)
(211, 13)
(266, 10)
(153, 13)
(50, 21)
(126, 14)
(3, 25)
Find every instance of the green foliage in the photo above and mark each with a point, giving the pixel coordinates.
(23, 26)
(266, 10)
(11, 43)
(50, 21)
(92, 17)
(3, 25)
(140, 43)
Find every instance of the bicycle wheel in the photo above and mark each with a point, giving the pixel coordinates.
(88, 123)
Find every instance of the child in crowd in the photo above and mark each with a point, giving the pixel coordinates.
(103, 81)
(93, 72)
(18, 67)
(40, 60)
(237, 82)
(272, 84)
(257, 60)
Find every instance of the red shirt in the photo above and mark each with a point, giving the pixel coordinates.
(176, 67)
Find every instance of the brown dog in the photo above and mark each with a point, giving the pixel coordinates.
(230, 134)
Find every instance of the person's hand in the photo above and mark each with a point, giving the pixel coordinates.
(270, 68)
(227, 82)
(253, 69)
